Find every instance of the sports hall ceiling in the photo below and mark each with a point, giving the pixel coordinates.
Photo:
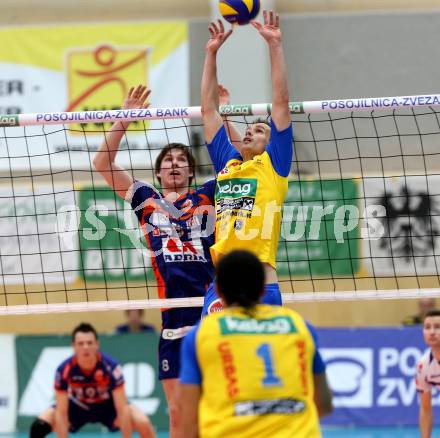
(55, 11)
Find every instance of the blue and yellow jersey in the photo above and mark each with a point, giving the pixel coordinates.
(250, 195)
(256, 373)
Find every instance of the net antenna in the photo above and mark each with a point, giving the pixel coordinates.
(360, 221)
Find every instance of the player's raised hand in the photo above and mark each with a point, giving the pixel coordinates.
(218, 36)
(223, 95)
(137, 97)
(270, 30)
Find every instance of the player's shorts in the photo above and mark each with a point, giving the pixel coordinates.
(104, 413)
(169, 352)
(171, 338)
(212, 302)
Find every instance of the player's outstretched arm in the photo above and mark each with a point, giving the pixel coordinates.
(212, 120)
(61, 414)
(104, 162)
(233, 134)
(271, 32)
(425, 415)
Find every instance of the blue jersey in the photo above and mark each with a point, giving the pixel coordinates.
(179, 236)
(87, 390)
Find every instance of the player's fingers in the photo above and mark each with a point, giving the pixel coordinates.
(221, 26)
(146, 93)
(257, 25)
(214, 27)
(271, 20)
(130, 92)
(277, 20)
(265, 16)
(228, 34)
(137, 91)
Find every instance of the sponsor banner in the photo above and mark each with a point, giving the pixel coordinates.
(111, 241)
(407, 225)
(89, 67)
(48, 236)
(320, 229)
(230, 325)
(39, 356)
(31, 248)
(8, 384)
(372, 375)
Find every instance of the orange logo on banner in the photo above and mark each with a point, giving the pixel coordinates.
(99, 79)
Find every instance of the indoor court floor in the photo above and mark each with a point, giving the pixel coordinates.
(380, 432)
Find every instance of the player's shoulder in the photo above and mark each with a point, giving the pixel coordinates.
(108, 360)
(66, 364)
(425, 361)
(206, 185)
(146, 189)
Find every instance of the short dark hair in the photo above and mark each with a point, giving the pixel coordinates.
(240, 278)
(433, 312)
(261, 120)
(84, 327)
(141, 311)
(181, 147)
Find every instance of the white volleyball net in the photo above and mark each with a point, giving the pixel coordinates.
(360, 221)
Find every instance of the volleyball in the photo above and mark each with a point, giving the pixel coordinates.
(239, 11)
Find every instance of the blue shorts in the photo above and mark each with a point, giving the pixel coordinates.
(104, 413)
(171, 338)
(212, 302)
(169, 358)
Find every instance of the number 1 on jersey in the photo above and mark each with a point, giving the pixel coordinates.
(270, 379)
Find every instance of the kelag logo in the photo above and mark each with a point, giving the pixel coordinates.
(236, 188)
(350, 374)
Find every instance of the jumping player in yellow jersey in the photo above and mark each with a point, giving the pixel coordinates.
(251, 181)
(251, 370)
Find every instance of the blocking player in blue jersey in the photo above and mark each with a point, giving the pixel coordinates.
(90, 389)
(178, 225)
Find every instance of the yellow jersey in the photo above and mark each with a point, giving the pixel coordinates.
(256, 374)
(250, 195)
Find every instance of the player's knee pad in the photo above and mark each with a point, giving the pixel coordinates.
(40, 428)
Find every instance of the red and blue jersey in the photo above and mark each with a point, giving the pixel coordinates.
(92, 388)
(179, 235)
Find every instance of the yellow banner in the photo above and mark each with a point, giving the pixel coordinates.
(91, 67)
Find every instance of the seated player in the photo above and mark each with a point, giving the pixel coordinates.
(251, 370)
(90, 389)
(173, 221)
(428, 371)
(252, 182)
(134, 323)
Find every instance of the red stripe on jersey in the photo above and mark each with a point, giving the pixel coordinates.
(161, 288)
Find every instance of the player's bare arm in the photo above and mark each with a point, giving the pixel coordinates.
(116, 177)
(425, 415)
(271, 32)
(123, 412)
(61, 414)
(212, 120)
(323, 395)
(233, 134)
(190, 397)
